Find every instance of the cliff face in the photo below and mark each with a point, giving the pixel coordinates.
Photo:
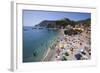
(47, 23)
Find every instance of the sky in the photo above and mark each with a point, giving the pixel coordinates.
(33, 17)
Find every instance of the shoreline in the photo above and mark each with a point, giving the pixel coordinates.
(51, 50)
(47, 52)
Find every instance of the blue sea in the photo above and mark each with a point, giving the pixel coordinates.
(36, 42)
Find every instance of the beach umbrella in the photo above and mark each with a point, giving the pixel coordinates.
(78, 56)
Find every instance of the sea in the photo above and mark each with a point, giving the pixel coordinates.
(36, 42)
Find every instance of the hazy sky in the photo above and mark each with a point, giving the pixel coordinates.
(31, 17)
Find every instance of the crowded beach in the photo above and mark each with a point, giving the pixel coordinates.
(71, 46)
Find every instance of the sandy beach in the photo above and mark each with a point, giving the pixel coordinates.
(74, 47)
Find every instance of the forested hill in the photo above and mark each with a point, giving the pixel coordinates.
(63, 23)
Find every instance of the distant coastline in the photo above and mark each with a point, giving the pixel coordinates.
(63, 23)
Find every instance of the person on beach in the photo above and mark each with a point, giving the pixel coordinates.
(58, 52)
(72, 50)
